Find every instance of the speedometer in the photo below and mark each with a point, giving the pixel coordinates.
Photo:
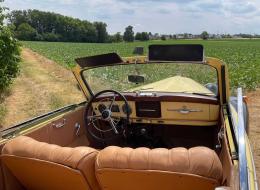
(124, 108)
(101, 108)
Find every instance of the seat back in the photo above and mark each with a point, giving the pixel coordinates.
(145, 169)
(41, 166)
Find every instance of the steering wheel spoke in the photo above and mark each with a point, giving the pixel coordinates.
(113, 125)
(112, 102)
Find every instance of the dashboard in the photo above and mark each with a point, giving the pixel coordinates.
(164, 109)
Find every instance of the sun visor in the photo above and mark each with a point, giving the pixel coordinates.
(99, 60)
(176, 53)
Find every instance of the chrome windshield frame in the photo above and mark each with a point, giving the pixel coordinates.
(243, 171)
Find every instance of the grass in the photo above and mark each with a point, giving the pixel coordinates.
(3, 110)
(41, 87)
(241, 56)
(55, 101)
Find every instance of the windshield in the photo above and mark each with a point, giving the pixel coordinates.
(154, 77)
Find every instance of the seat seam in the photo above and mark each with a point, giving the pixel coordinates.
(87, 181)
(213, 161)
(169, 158)
(115, 158)
(189, 160)
(172, 172)
(149, 161)
(86, 155)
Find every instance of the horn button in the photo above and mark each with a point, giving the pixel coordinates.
(106, 114)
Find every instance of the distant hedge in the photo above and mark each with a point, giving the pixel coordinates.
(35, 25)
(9, 58)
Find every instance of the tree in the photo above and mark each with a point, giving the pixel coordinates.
(25, 32)
(1, 13)
(128, 34)
(50, 37)
(17, 17)
(102, 34)
(144, 36)
(204, 35)
(9, 54)
(116, 38)
(51, 26)
(163, 37)
(138, 36)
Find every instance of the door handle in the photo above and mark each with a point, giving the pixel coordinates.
(59, 124)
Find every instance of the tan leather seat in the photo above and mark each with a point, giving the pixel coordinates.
(41, 166)
(197, 168)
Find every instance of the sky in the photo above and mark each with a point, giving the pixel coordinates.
(158, 16)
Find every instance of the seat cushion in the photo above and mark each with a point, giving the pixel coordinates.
(78, 162)
(143, 168)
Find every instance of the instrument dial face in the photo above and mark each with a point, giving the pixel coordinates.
(124, 108)
(115, 108)
(101, 108)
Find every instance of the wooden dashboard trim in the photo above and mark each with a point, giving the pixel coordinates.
(209, 106)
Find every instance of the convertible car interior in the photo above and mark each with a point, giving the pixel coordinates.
(126, 140)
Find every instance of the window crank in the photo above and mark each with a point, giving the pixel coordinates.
(77, 127)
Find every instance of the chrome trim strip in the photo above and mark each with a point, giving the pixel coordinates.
(243, 172)
(234, 121)
(147, 110)
(185, 110)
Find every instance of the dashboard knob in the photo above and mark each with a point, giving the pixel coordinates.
(124, 108)
(143, 131)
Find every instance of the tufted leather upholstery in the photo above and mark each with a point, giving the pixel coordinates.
(142, 168)
(42, 166)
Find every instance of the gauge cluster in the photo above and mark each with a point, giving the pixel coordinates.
(117, 107)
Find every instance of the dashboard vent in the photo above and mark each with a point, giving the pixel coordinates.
(151, 109)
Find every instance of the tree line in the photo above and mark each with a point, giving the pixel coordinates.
(47, 26)
(35, 25)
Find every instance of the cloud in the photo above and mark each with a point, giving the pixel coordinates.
(240, 7)
(157, 1)
(164, 11)
(162, 16)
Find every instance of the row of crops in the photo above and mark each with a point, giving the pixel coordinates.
(242, 56)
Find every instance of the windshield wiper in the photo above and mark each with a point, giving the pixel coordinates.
(142, 89)
(203, 94)
(197, 93)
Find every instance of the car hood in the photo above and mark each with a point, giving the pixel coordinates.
(175, 84)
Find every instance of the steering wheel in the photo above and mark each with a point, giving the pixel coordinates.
(100, 123)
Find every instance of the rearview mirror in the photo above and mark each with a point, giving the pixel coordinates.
(136, 79)
(138, 51)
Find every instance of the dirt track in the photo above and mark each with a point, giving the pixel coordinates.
(43, 85)
(254, 134)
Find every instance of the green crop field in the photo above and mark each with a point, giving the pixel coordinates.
(242, 56)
